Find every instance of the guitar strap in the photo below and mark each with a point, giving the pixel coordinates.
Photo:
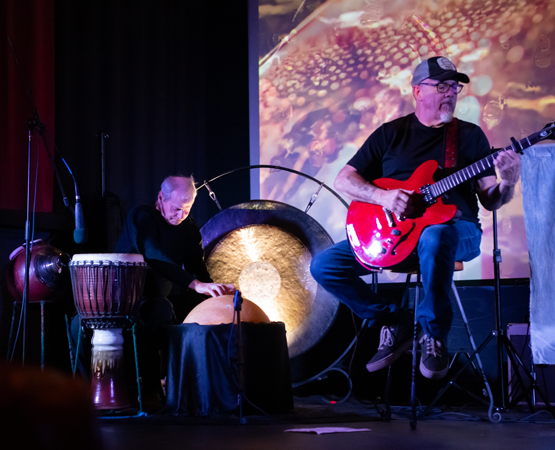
(451, 144)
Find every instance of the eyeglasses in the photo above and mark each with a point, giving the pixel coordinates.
(442, 88)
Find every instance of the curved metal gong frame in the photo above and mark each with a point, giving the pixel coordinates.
(269, 166)
(333, 366)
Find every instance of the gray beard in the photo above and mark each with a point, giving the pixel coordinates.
(446, 116)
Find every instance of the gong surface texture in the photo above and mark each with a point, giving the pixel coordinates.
(265, 248)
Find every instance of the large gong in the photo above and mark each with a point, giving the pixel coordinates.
(265, 248)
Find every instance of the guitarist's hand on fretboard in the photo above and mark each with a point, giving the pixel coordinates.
(508, 165)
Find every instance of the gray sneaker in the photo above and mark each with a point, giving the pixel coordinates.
(434, 362)
(394, 341)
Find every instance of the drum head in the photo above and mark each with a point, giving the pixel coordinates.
(99, 258)
(218, 310)
(265, 248)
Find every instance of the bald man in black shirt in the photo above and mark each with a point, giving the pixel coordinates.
(171, 244)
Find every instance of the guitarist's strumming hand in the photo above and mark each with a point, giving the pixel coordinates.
(398, 201)
(352, 184)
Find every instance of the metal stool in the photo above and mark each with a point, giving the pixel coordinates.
(16, 304)
(474, 355)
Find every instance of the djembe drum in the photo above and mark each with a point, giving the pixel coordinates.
(106, 290)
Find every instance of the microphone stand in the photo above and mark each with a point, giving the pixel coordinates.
(32, 123)
(27, 251)
(36, 122)
(237, 302)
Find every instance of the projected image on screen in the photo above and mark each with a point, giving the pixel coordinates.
(329, 81)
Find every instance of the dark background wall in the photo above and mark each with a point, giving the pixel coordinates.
(166, 80)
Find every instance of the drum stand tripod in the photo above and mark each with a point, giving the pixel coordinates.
(75, 358)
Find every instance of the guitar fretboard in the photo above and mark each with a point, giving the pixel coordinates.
(446, 184)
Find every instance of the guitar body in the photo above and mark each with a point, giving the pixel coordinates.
(381, 243)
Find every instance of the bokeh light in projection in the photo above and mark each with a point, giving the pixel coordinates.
(332, 72)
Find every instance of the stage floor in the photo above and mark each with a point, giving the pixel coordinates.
(460, 428)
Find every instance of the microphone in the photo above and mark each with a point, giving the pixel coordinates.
(80, 234)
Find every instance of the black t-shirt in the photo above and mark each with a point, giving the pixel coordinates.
(173, 252)
(397, 148)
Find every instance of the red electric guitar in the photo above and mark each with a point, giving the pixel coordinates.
(380, 239)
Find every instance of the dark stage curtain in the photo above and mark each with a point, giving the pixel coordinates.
(167, 81)
(30, 25)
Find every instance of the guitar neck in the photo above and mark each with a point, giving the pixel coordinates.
(446, 184)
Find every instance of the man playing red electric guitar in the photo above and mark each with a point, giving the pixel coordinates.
(395, 151)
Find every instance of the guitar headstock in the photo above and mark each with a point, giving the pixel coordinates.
(547, 132)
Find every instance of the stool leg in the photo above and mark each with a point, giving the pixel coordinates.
(387, 413)
(68, 332)
(74, 368)
(414, 348)
(492, 417)
(42, 335)
(139, 389)
(10, 343)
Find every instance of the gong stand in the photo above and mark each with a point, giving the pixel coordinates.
(33, 123)
(335, 365)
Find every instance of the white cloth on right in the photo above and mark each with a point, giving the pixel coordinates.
(538, 199)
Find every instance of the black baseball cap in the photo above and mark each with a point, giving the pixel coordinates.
(437, 68)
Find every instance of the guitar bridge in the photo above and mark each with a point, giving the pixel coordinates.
(426, 192)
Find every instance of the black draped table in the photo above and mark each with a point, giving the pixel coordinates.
(201, 381)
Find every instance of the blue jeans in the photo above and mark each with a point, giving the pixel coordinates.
(337, 270)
